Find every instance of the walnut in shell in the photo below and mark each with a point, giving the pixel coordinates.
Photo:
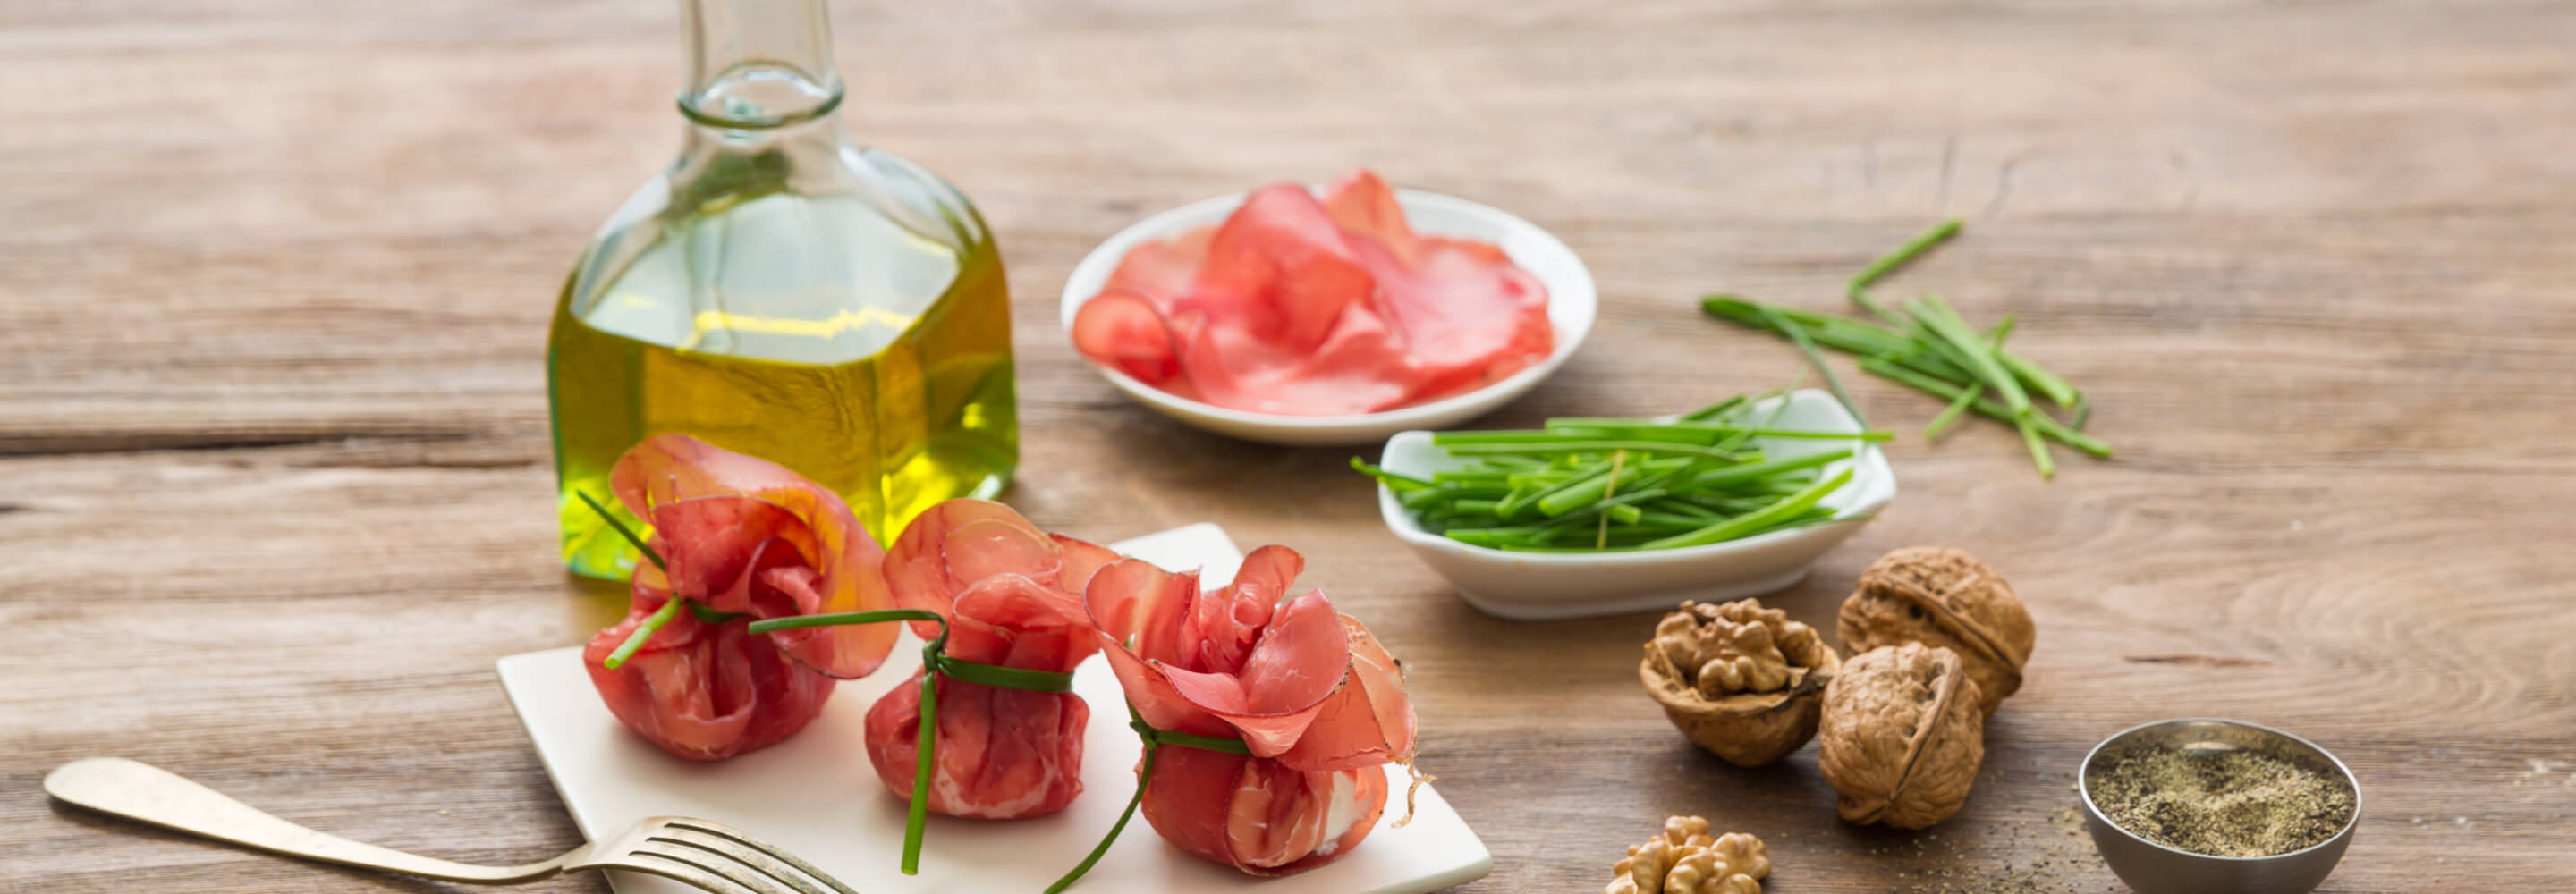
(1902, 736)
(1743, 681)
(1685, 860)
(1943, 597)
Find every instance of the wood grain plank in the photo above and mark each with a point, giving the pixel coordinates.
(274, 472)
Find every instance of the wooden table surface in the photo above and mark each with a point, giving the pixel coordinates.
(275, 488)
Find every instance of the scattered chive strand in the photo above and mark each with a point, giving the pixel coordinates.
(1927, 345)
(1154, 740)
(1903, 255)
(622, 530)
(2038, 448)
(1952, 412)
(1815, 357)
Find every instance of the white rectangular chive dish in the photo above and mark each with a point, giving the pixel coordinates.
(1542, 586)
(816, 796)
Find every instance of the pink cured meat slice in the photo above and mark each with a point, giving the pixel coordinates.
(1126, 332)
(704, 692)
(1296, 306)
(1315, 698)
(1008, 591)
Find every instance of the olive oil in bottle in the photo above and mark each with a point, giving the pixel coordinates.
(782, 293)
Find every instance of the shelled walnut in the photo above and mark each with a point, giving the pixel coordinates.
(1943, 597)
(1685, 860)
(1742, 681)
(1902, 736)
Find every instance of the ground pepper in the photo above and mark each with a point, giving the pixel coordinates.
(2225, 803)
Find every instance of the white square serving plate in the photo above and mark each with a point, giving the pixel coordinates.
(1528, 586)
(816, 796)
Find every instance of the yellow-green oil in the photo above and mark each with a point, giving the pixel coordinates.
(810, 331)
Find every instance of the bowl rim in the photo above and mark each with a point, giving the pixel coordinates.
(1868, 457)
(2084, 787)
(1101, 261)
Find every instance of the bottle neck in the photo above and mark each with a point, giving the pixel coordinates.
(759, 65)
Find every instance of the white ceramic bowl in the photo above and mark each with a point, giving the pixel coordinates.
(1541, 586)
(1571, 307)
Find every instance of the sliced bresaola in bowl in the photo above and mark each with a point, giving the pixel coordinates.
(1300, 306)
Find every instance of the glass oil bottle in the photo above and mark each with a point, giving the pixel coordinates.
(781, 292)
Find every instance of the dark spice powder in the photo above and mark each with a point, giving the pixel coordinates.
(2224, 803)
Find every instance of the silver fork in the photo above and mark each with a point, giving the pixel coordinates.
(710, 856)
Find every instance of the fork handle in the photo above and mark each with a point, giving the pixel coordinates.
(140, 791)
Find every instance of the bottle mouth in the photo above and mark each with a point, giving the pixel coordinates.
(761, 94)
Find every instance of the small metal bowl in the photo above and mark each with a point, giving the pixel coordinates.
(2152, 868)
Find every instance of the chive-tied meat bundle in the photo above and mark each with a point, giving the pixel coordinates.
(1266, 720)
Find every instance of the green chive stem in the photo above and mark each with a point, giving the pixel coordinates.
(1951, 413)
(1787, 508)
(2047, 383)
(622, 530)
(2038, 448)
(1713, 409)
(644, 631)
(1980, 356)
(1913, 248)
(2049, 427)
(1798, 335)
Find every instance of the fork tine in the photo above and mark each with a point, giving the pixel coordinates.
(693, 866)
(762, 848)
(726, 848)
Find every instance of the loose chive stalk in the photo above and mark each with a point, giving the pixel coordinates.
(2038, 448)
(1978, 355)
(1931, 357)
(2048, 427)
(1951, 413)
(2039, 378)
(1841, 334)
(1798, 336)
(1968, 395)
(1880, 268)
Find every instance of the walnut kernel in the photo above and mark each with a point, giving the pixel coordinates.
(1685, 860)
(1742, 681)
(1943, 597)
(1902, 736)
